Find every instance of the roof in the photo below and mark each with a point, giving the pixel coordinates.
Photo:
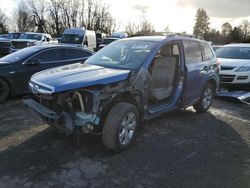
(161, 38)
(41, 47)
(146, 38)
(238, 45)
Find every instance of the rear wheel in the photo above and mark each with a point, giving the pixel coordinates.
(120, 126)
(206, 99)
(4, 90)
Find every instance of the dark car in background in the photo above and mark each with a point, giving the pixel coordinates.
(17, 68)
(6, 46)
(106, 41)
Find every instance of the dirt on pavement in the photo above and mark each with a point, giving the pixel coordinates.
(179, 149)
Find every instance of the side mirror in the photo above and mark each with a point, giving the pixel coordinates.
(33, 62)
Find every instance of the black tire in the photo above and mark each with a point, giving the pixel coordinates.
(112, 130)
(4, 90)
(202, 106)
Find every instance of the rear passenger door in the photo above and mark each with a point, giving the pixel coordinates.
(195, 71)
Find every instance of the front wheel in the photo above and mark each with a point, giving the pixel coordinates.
(206, 99)
(120, 126)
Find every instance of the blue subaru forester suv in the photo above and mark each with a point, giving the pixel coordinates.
(128, 81)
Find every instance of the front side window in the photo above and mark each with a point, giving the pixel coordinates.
(192, 52)
(50, 55)
(206, 51)
(76, 54)
(124, 54)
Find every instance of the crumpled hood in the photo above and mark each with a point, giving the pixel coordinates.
(76, 76)
(234, 62)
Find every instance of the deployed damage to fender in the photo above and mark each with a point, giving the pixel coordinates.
(74, 104)
(241, 96)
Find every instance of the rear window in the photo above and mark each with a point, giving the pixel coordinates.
(192, 52)
(233, 52)
(20, 55)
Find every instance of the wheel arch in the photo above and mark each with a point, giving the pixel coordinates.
(130, 97)
(7, 81)
(213, 83)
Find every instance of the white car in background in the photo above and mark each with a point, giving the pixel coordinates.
(234, 62)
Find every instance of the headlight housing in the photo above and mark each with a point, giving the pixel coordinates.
(243, 69)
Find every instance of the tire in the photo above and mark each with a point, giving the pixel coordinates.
(4, 90)
(206, 99)
(120, 126)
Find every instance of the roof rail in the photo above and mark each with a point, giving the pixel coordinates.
(184, 35)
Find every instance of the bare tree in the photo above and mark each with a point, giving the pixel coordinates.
(23, 18)
(39, 10)
(142, 27)
(70, 9)
(3, 22)
(96, 15)
(55, 20)
(245, 27)
(55, 15)
(132, 28)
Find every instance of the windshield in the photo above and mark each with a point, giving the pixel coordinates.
(14, 35)
(19, 55)
(72, 38)
(31, 36)
(108, 41)
(124, 54)
(233, 52)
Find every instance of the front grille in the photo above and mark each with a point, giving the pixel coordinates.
(226, 68)
(4, 44)
(19, 45)
(226, 78)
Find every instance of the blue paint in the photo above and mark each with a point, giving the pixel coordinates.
(77, 76)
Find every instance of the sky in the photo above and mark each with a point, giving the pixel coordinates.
(178, 15)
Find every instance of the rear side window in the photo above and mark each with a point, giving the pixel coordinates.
(50, 55)
(206, 52)
(192, 52)
(76, 54)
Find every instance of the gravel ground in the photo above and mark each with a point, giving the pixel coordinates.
(180, 149)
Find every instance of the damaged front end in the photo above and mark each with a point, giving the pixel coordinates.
(80, 109)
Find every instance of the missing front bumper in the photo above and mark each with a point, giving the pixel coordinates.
(40, 109)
